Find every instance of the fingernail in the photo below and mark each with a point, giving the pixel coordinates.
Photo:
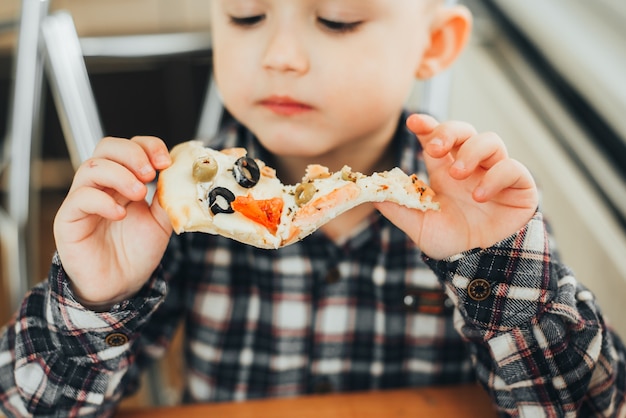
(162, 159)
(145, 170)
(138, 187)
(437, 142)
(459, 165)
(429, 120)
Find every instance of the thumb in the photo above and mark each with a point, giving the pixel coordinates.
(160, 215)
(408, 220)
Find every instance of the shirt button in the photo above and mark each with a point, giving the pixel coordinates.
(333, 276)
(410, 301)
(116, 339)
(479, 289)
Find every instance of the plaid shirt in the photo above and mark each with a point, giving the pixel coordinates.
(370, 312)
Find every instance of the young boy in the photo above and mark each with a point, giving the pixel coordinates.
(370, 301)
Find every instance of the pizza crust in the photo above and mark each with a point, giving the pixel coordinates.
(320, 197)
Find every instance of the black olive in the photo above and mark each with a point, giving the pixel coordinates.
(214, 203)
(246, 172)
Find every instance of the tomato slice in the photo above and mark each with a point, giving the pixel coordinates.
(265, 211)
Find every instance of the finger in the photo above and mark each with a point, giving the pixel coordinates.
(161, 216)
(421, 124)
(141, 155)
(505, 177)
(89, 201)
(408, 220)
(108, 175)
(155, 149)
(483, 150)
(440, 139)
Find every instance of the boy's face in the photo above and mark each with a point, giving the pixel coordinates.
(312, 77)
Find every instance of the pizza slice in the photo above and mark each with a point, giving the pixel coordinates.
(230, 194)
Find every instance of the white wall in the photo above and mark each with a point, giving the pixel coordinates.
(589, 238)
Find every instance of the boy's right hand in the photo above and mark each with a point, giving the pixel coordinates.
(108, 237)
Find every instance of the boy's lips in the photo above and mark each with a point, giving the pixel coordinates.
(285, 106)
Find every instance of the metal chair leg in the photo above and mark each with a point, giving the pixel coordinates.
(211, 113)
(24, 136)
(70, 86)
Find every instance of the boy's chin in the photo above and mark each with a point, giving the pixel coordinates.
(295, 148)
(300, 141)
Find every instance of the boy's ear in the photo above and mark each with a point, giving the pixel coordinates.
(448, 36)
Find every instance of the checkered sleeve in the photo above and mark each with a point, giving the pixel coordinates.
(59, 359)
(540, 345)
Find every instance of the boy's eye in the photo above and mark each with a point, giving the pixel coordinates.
(246, 21)
(340, 27)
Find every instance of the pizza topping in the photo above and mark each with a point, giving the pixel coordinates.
(316, 171)
(348, 175)
(304, 193)
(266, 212)
(204, 169)
(322, 205)
(235, 152)
(268, 171)
(246, 172)
(220, 200)
(421, 187)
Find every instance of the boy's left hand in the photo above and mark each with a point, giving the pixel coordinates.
(484, 195)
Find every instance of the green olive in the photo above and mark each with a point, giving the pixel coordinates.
(304, 193)
(204, 169)
(345, 176)
(348, 175)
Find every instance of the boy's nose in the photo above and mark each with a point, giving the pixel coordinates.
(284, 52)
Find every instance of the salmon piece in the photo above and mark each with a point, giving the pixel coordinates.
(294, 231)
(314, 211)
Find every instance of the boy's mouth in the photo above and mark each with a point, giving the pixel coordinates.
(285, 106)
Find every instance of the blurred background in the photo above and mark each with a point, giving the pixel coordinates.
(548, 77)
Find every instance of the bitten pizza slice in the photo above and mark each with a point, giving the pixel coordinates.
(227, 193)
